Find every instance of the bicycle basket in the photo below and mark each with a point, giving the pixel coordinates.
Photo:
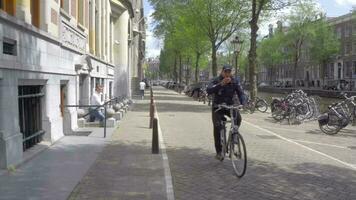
(323, 119)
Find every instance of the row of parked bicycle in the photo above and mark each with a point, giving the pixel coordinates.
(296, 107)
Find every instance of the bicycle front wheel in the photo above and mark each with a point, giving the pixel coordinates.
(223, 142)
(238, 155)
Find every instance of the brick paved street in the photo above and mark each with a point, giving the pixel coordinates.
(284, 162)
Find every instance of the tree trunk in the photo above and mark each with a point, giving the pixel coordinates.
(175, 69)
(252, 55)
(180, 69)
(214, 59)
(197, 67)
(187, 73)
(295, 69)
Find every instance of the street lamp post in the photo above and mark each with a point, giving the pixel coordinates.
(237, 44)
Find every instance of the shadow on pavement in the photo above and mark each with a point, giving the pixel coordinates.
(172, 98)
(343, 133)
(176, 107)
(197, 175)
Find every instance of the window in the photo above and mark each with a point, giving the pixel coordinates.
(9, 47)
(348, 68)
(81, 12)
(348, 48)
(8, 6)
(73, 8)
(30, 120)
(35, 13)
(338, 32)
(347, 31)
(65, 5)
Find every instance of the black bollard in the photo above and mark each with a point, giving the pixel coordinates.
(155, 142)
(152, 114)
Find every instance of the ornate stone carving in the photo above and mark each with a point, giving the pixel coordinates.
(72, 38)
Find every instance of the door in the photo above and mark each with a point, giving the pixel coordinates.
(63, 98)
(82, 78)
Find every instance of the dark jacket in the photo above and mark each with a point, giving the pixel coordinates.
(225, 94)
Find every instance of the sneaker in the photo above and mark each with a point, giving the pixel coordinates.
(219, 157)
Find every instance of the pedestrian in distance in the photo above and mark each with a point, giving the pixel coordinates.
(142, 89)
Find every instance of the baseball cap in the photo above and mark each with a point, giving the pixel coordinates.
(227, 68)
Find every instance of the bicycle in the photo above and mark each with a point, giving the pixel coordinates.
(338, 116)
(259, 104)
(234, 146)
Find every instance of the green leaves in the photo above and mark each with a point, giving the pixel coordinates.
(195, 27)
(271, 51)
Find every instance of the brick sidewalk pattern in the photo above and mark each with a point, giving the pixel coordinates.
(126, 169)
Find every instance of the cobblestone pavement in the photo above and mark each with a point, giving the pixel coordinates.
(126, 168)
(284, 162)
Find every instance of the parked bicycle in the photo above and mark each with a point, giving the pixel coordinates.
(234, 145)
(258, 103)
(338, 116)
(296, 107)
(203, 95)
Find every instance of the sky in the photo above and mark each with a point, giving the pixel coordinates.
(332, 8)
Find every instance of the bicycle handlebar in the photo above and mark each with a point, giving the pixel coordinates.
(224, 106)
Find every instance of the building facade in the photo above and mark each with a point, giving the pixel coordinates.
(339, 73)
(53, 53)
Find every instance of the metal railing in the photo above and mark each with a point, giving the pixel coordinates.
(116, 100)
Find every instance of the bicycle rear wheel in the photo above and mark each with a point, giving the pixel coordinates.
(261, 106)
(238, 154)
(333, 126)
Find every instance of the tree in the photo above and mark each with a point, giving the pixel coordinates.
(302, 22)
(218, 20)
(259, 7)
(324, 45)
(271, 52)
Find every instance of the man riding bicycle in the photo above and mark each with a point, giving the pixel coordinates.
(223, 88)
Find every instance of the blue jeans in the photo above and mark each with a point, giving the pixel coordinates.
(96, 114)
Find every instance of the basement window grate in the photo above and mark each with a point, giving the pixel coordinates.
(9, 47)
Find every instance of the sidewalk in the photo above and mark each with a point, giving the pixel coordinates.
(79, 167)
(126, 169)
(53, 173)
